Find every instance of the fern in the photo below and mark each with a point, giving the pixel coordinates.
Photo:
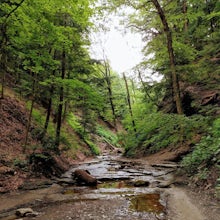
(158, 130)
(205, 150)
(108, 135)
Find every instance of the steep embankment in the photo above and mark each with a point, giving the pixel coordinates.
(38, 163)
(15, 165)
(13, 118)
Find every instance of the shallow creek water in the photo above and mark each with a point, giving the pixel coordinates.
(126, 190)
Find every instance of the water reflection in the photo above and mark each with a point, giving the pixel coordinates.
(147, 203)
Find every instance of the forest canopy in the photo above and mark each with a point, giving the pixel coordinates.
(45, 58)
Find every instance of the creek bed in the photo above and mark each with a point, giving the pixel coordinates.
(125, 190)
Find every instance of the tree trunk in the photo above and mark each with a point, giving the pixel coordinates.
(66, 104)
(48, 113)
(129, 103)
(133, 91)
(186, 23)
(175, 83)
(49, 108)
(107, 76)
(145, 88)
(30, 113)
(60, 106)
(212, 25)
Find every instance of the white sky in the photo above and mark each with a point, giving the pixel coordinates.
(122, 49)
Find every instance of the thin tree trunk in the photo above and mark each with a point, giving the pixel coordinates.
(110, 94)
(133, 91)
(129, 103)
(186, 23)
(65, 111)
(30, 113)
(49, 108)
(212, 26)
(48, 113)
(66, 102)
(60, 106)
(145, 89)
(175, 83)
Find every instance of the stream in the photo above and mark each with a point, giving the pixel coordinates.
(127, 189)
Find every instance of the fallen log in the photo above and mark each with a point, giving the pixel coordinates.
(83, 177)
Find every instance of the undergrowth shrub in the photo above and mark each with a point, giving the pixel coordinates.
(158, 130)
(48, 141)
(206, 152)
(22, 164)
(107, 135)
(78, 128)
(75, 124)
(93, 147)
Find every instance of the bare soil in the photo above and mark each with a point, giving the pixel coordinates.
(15, 169)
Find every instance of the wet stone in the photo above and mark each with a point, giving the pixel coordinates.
(124, 190)
(147, 203)
(25, 212)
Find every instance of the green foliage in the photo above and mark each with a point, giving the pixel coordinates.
(158, 130)
(75, 124)
(107, 135)
(20, 163)
(73, 121)
(94, 148)
(38, 116)
(206, 150)
(38, 34)
(195, 33)
(48, 141)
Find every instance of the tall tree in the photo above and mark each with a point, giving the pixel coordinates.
(37, 30)
(129, 103)
(174, 77)
(61, 99)
(105, 70)
(4, 17)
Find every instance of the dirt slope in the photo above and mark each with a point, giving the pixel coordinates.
(14, 164)
(13, 118)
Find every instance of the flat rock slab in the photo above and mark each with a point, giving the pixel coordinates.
(166, 165)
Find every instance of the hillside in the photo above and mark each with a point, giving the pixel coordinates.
(55, 201)
(13, 118)
(14, 163)
(17, 167)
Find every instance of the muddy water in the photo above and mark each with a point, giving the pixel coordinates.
(126, 190)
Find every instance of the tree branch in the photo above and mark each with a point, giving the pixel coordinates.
(3, 25)
(13, 10)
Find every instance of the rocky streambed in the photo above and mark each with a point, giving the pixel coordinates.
(126, 189)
